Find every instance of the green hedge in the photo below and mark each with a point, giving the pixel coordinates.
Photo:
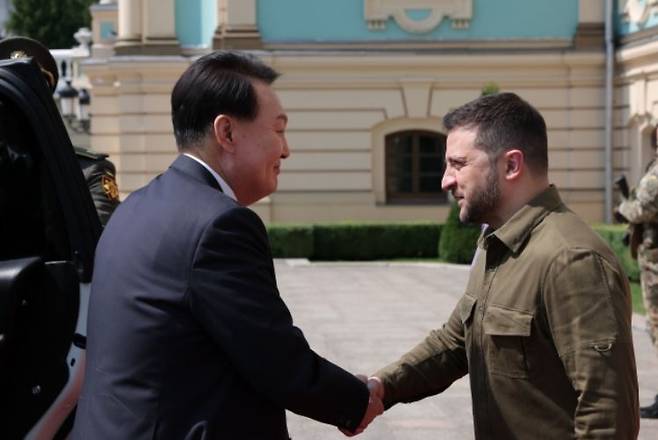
(385, 241)
(355, 241)
(375, 241)
(458, 240)
(291, 241)
(614, 235)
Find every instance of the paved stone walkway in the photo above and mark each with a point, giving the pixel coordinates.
(364, 315)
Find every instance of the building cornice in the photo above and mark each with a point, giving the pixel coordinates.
(638, 55)
(376, 60)
(423, 45)
(639, 37)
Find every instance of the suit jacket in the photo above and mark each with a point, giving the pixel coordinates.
(188, 337)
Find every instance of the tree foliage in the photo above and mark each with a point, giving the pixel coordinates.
(52, 22)
(490, 88)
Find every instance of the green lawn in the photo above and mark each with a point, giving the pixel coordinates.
(636, 293)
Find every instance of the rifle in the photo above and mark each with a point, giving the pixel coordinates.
(622, 185)
(633, 235)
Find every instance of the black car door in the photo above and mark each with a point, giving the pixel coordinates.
(48, 233)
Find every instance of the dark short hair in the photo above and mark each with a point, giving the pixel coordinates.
(504, 121)
(217, 83)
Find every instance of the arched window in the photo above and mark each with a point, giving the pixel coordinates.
(414, 167)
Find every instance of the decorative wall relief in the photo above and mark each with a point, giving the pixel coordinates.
(639, 11)
(377, 13)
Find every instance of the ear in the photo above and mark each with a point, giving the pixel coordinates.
(223, 127)
(514, 162)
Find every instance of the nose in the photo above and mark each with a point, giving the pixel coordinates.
(285, 152)
(448, 181)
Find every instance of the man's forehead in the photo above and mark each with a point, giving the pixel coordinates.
(264, 91)
(460, 139)
(269, 100)
(463, 133)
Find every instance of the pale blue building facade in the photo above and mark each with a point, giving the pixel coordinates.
(366, 83)
(287, 21)
(344, 21)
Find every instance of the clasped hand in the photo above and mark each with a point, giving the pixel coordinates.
(375, 404)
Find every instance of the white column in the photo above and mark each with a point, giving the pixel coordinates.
(147, 27)
(130, 22)
(241, 13)
(237, 25)
(591, 11)
(591, 25)
(159, 20)
(221, 13)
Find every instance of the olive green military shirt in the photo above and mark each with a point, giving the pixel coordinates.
(543, 330)
(99, 174)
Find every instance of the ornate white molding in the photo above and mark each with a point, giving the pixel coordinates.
(639, 11)
(377, 13)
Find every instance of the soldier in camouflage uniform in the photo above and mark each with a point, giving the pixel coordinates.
(641, 211)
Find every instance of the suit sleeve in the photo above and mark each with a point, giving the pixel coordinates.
(233, 294)
(587, 305)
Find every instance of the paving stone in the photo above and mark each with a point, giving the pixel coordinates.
(363, 316)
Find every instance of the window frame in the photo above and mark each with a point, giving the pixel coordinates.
(415, 197)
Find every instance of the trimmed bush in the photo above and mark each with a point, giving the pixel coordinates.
(614, 235)
(385, 241)
(375, 241)
(458, 240)
(291, 241)
(355, 241)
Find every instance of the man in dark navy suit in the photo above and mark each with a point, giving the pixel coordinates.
(188, 337)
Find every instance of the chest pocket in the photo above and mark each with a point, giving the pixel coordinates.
(506, 341)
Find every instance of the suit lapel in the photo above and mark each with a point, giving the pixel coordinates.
(195, 170)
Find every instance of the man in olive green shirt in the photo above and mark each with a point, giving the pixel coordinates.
(544, 327)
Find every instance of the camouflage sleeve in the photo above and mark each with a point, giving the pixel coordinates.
(642, 208)
(100, 177)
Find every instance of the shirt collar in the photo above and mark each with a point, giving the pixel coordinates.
(514, 232)
(226, 189)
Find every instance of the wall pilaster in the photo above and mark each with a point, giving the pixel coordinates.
(130, 24)
(590, 32)
(147, 27)
(237, 25)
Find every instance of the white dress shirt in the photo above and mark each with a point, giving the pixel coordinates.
(222, 183)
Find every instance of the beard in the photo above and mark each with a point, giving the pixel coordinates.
(483, 202)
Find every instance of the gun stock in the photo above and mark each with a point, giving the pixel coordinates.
(622, 184)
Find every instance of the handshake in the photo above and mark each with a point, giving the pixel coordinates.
(375, 404)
